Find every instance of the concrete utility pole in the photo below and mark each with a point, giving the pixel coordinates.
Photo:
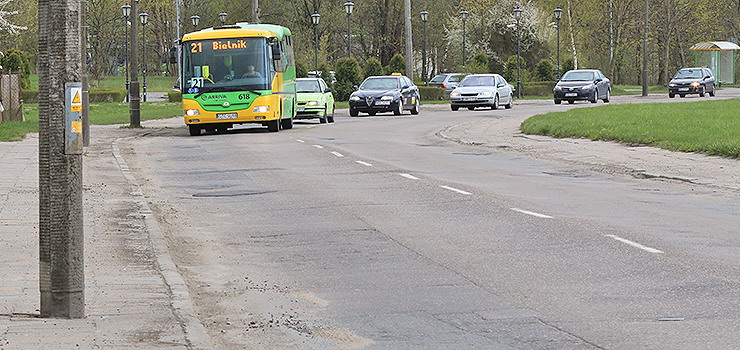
(409, 43)
(645, 53)
(134, 98)
(61, 236)
(85, 85)
(255, 11)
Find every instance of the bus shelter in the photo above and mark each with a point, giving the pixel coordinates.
(719, 56)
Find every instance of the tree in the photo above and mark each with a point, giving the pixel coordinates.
(372, 67)
(300, 69)
(544, 70)
(348, 75)
(17, 61)
(397, 64)
(5, 24)
(478, 64)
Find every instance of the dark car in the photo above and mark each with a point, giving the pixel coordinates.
(388, 93)
(692, 81)
(582, 85)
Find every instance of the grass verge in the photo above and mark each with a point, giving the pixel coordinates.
(100, 114)
(118, 82)
(711, 127)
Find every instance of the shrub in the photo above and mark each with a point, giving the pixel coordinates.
(510, 70)
(567, 65)
(300, 69)
(174, 96)
(397, 64)
(538, 88)
(429, 93)
(348, 75)
(372, 67)
(544, 70)
(17, 61)
(478, 65)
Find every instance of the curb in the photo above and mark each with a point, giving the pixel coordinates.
(196, 336)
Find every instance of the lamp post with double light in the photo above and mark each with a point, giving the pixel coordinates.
(126, 14)
(144, 20)
(348, 6)
(424, 19)
(195, 19)
(222, 17)
(518, 16)
(558, 14)
(464, 15)
(315, 20)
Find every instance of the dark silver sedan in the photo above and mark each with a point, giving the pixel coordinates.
(582, 85)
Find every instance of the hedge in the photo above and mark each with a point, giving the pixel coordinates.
(429, 93)
(32, 96)
(174, 96)
(537, 88)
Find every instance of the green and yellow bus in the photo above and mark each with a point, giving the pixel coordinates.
(235, 74)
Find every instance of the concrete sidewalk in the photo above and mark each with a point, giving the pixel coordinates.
(133, 300)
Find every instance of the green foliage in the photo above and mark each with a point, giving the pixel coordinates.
(372, 67)
(174, 96)
(567, 65)
(706, 126)
(32, 96)
(397, 64)
(17, 61)
(348, 75)
(300, 69)
(510, 69)
(544, 70)
(479, 64)
(429, 93)
(538, 88)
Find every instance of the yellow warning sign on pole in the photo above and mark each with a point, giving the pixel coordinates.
(76, 103)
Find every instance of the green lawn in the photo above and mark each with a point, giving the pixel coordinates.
(118, 82)
(100, 113)
(712, 127)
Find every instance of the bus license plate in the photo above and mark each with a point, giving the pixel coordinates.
(226, 116)
(571, 94)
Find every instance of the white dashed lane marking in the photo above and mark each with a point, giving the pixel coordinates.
(409, 176)
(301, 141)
(337, 154)
(363, 163)
(456, 190)
(531, 213)
(635, 244)
(318, 146)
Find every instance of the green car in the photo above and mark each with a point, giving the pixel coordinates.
(315, 100)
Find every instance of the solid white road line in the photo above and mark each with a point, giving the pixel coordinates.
(455, 190)
(318, 146)
(531, 213)
(363, 163)
(409, 176)
(301, 141)
(635, 244)
(337, 154)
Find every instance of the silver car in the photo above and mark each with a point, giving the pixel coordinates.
(482, 90)
(447, 81)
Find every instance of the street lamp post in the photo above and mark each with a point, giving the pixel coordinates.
(348, 6)
(195, 19)
(222, 17)
(143, 17)
(134, 96)
(424, 19)
(315, 20)
(464, 14)
(558, 14)
(126, 13)
(518, 15)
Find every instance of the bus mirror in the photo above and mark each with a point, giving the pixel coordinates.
(276, 53)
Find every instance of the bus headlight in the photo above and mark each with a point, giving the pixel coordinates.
(192, 112)
(312, 103)
(261, 109)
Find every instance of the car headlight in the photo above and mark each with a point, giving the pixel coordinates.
(261, 109)
(672, 85)
(587, 86)
(192, 112)
(486, 94)
(312, 103)
(695, 84)
(454, 94)
(558, 88)
(386, 98)
(354, 98)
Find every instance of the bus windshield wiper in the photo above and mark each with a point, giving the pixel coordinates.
(225, 88)
(204, 91)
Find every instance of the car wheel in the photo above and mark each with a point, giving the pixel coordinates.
(711, 94)
(606, 99)
(286, 123)
(702, 92)
(495, 102)
(596, 96)
(570, 102)
(194, 130)
(323, 119)
(454, 108)
(399, 109)
(273, 125)
(511, 102)
(671, 95)
(330, 118)
(353, 112)
(557, 102)
(416, 108)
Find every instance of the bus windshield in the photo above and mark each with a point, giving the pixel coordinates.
(233, 64)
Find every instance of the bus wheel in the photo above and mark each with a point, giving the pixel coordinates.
(287, 123)
(273, 125)
(194, 130)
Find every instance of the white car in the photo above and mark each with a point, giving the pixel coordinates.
(482, 90)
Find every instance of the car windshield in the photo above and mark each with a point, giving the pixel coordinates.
(234, 64)
(380, 84)
(438, 79)
(578, 76)
(688, 74)
(481, 80)
(307, 86)
(456, 78)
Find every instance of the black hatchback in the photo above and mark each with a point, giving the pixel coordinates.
(692, 81)
(388, 93)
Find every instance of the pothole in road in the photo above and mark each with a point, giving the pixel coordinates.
(234, 193)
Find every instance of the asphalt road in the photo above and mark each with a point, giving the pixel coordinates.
(375, 233)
